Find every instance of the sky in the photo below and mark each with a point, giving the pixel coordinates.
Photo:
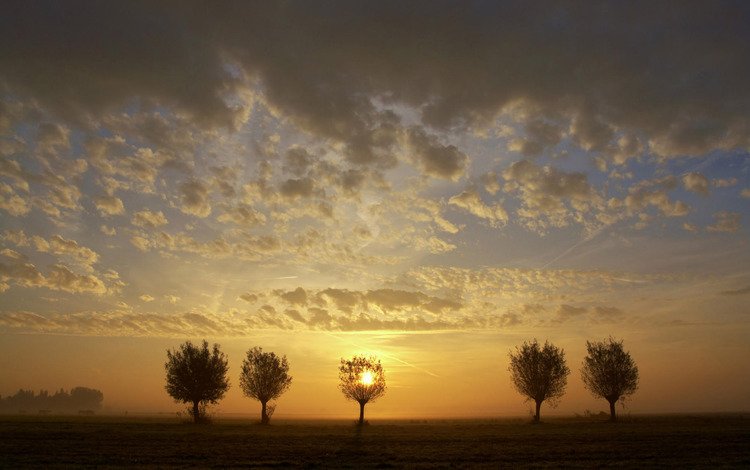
(433, 183)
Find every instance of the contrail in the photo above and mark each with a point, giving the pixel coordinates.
(576, 245)
(383, 354)
(700, 166)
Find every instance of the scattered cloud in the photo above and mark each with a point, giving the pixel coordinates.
(696, 183)
(149, 219)
(109, 205)
(195, 198)
(470, 201)
(725, 221)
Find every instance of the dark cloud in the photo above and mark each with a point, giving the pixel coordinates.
(84, 58)
(677, 77)
(569, 312)
(295, 297)
(297, 188)
(195, 198)
(443, 161)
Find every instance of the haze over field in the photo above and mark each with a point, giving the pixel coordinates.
(429, 182)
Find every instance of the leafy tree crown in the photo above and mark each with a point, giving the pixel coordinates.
(608, 370)
(197, 373)
(539, 373)
(265, 376)
(352, 375)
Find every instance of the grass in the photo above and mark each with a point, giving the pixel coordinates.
(647, 441)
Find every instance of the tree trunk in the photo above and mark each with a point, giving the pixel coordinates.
(264, 419)
(612, 415)
(362, 412)
(196, 411)
(538, 407)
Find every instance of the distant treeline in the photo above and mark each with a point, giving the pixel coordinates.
(80, 399)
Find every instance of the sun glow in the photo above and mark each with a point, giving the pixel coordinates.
(367, 378)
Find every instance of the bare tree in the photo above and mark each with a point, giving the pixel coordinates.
(362, 379)
(265, 376)
(539, 374)
(609, 372)
(197, 375)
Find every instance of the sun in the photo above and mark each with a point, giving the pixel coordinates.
(367, 378)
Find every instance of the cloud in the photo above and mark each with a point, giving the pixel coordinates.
(724, 182)
(145, 51)
(540, 135)
(195, 201)
(470, 201)
(246, 247)
(243, 215)
(114, 157)
(725, 221)
(294, 188)
(12, 202)
(344, 299)
(295, 315)
(696, 183)
(599, 93)
(605, 314)
(109, 205)
(655, 193)
(298, 161)
(295, 297)
(568, 312)
(52, 137)
(108, 231)
(58, 277)
(59, 245)
(745, 193)
(149, 219)
(690, 227)
(740, 291)
(435, 159)
(549, 196)
(249, 297)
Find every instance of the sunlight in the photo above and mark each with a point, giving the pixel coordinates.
(367, 378)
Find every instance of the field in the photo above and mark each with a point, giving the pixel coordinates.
(644, 441)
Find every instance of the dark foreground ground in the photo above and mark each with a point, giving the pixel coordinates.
(674, 441)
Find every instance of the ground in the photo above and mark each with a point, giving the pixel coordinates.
(643, 441)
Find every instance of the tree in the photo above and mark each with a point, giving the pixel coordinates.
(265, 376)
(197, 375)
(83, 398)
(609, 372)
(362, 379)
(539, 373)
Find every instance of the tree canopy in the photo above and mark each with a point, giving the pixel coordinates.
(362, 379)
(539, 373)
(197, 375)
(80, 399)
(264, 377)
(609, 372)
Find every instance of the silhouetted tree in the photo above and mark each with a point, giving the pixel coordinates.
(362, 379)
(197, 375)
(539, 374)
(265, 376)
(79, 399)
(86, 399)
(609, 372)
